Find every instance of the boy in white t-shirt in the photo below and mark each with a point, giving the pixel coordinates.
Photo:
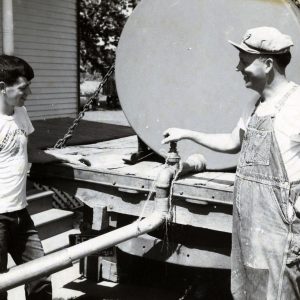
(18, 235)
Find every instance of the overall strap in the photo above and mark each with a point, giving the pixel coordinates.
(283, 100)
(278, 106)
(256, 105)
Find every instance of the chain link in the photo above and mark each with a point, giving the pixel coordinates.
(62, 142)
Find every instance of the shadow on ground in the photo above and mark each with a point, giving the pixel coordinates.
(47, 132)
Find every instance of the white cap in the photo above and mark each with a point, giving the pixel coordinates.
(264, 40)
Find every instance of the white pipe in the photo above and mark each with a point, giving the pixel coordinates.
(60, 260)
(8, 27)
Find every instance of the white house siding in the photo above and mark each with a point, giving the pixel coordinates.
(46, 36)
(1, 48)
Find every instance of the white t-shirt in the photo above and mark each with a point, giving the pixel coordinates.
(286, 127)
(14, 131)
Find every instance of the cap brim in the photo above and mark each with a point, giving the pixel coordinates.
(244, 48)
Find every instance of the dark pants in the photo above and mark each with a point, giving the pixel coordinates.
(19, 237)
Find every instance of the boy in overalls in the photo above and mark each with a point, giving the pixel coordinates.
(266, 230)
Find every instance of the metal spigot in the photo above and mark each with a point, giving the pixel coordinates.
(173, 157)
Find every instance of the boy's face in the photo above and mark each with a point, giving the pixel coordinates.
(253, 68)
(17, 93)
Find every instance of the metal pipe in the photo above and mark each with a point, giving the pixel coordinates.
(8, 27)
(62, 259)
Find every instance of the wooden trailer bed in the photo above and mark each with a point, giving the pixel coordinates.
(202, 203)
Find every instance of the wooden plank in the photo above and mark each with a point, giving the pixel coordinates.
(43, 27)
(52, 6)
(45, 78)
(39, 32)
(115, 148)
(213, 217)
(57, 113)
(48, 53)
(29, 38)
(48, 47)
(59, 67)
(204, 195)
(36, 19)
(50, 101)
(67, 4)
(209, 177)
(176, 253)
(50, 90)
(50, 60)
(108, 156)
(55, 73)
(217, 217)
(114, 177)
(48, 13)
(100, 218)
(53, 79)
(50, 84)
(52, 96)
(53, 107)
(47, 16)
(63, 115)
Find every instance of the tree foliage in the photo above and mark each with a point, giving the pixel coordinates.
(100, 26)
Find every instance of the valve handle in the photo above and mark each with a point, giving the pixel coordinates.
(173, 147)
(173, 156)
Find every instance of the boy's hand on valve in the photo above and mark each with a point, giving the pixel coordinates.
(173, 135)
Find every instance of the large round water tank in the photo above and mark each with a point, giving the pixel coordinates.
(175, 67)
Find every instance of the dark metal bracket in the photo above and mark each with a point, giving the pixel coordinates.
(144, 153)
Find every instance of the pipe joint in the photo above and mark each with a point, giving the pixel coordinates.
(165, 177)
(162, 205)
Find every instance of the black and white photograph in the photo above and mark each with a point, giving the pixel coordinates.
(150, 150)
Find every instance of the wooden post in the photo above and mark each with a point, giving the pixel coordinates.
(100, 218)
(8, 27)
(98, 267)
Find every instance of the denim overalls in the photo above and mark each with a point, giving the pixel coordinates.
(265, 237)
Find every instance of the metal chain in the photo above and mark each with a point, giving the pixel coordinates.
(62, 142)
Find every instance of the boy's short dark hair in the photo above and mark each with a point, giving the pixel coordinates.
(282, 59)
(12, 67)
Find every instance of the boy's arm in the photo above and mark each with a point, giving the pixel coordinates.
(36, 155)
(220, 142)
